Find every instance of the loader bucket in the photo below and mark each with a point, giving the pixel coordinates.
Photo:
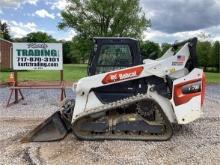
(52, 129)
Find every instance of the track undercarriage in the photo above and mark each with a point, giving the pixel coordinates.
(134, 119)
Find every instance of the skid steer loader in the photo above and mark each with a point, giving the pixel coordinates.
(125, 97)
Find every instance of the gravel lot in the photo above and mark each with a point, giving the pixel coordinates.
(196, 143)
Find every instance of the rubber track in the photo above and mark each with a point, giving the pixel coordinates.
(117, 136)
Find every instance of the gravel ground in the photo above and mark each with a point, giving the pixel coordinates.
(37, 104)
(196, 143)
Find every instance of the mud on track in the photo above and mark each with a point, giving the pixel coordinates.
(196, 143)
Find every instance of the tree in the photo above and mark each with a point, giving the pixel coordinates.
(80, 49)
(91, 18)
(4, 28)
(149, 48)
(38, 37)
(67, 54)
(215, 55)
(203, 51)
(164, 48)
(105, 18)
(23, 39)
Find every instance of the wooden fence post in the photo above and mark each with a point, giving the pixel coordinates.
(16, 84)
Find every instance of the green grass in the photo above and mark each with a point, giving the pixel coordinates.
(213, 77)
(73, 72)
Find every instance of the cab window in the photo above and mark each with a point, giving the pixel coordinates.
(114, 57)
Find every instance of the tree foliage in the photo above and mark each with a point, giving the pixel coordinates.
(91, 18)
(67, 53)
(37, 37)
(215, 55)
(4, 28)
(203, 52)
(81, 48)
(164, 47)
(77, 50)
(149, 49)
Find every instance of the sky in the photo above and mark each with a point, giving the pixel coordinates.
(171, 20)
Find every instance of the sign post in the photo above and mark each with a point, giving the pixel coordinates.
(37, 56)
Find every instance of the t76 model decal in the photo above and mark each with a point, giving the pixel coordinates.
(122, 75)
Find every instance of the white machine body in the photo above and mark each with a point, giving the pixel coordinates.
(182, 108)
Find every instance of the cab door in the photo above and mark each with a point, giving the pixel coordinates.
(115, 56)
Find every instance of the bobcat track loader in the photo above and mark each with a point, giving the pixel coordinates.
(125, 97)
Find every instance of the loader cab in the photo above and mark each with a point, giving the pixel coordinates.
(112, 53)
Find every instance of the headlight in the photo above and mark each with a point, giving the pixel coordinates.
(185, 91)
(191, 88)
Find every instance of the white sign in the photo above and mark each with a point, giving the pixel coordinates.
(37, 56)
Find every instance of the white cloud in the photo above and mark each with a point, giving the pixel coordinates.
(171, 22)
(58, 4)
(1, 12)
(33, 2)
(71, 34)
(11, 3)
(4, 21)
(167, 16)
(16, 3)
(44, 13)
(65, 35)
(157, 36)
(19, 29)
(59, 15)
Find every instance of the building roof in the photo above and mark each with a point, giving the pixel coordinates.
(1, 39)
